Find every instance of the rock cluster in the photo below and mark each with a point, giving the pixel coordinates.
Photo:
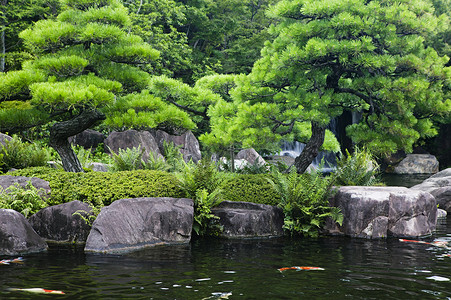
(376, 212)
(131, 224)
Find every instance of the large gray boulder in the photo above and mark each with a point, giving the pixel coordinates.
(132, 224)
(42, 185)
(17, 237)
(417, 164)
(88, 139)
(132, 139)
(439, 185)
(249, 220)
(377, 212)
(3, 139)
(251, 156)
(188, 143)
(60, 223)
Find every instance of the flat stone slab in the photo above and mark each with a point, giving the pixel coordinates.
(249, 220)
(60, 223)
(133, 224)
(378, 212)
(17, 237)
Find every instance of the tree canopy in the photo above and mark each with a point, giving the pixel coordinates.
(337, 55)
(86, 65)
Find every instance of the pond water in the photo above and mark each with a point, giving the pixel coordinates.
(243, 269)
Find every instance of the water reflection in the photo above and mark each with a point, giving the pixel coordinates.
(244, 269)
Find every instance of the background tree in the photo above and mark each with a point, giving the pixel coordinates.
(159, 23)
(16, 16)
(356, 55)
(225, 36)
(86, 64)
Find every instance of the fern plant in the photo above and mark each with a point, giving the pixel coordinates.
(173, 156)
(201, 183)
(206, 223)
(18, 155)
(305, 201)
(127, 160)
(155, 162)
(25, 200)
(360, 169)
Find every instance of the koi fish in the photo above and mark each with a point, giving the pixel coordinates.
(18, 260)
(301, 268)
(37, 291)
(435, 243)
(219, 296)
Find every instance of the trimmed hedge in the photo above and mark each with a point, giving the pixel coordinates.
(250, 188)
(102, 188)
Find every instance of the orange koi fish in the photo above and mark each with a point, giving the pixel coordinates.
(301, 268)
(436, 243)
(9, 261)
(37, 291)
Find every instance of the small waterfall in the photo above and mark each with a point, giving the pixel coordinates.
(294, 149)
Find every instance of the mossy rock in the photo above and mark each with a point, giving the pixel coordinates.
(102, 188)
(254, 188)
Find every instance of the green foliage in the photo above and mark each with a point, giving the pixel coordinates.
(142, 111)
(156, 162)
(201, 183)
(173, 156)
(328, 57)
(127, 159)
(25, 200)
(358, 168)
(102, 188)
(89, 217)
(201, 176)
(85, 62)
(305, 201)
(16, 154)
(250, 188)
(205, 223)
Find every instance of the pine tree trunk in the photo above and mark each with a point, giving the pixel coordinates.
(311, 150)
(60, 133)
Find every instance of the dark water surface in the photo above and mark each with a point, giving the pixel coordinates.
(205, 269)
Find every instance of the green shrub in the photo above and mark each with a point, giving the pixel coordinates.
(102, 188)
(26, 200)
(305, 201)
(250, 188)
(18, 155)
(360, 169)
